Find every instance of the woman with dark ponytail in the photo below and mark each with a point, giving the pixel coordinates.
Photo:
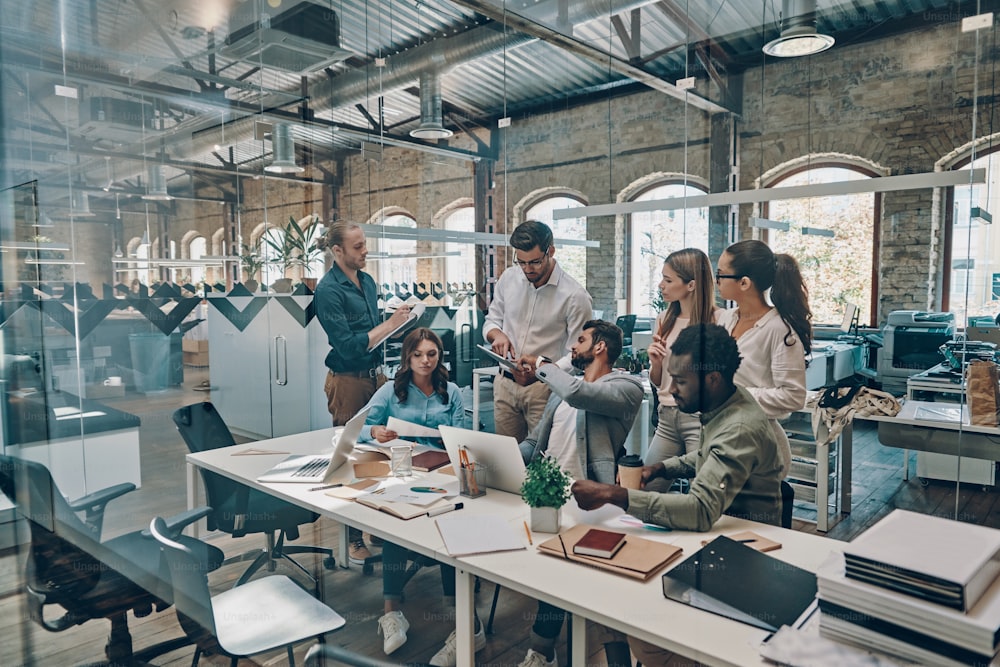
(773, 340)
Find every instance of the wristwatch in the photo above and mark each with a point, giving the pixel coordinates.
(539, 360)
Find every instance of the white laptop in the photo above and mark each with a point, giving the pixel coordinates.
(499, 455)
(319, 468)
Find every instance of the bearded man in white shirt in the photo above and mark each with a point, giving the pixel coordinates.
(536, 314)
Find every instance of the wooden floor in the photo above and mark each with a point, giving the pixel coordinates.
(878, 487)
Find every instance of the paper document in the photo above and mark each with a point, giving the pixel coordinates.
(405, 429)
(943, 413)
(416, 492)
(464, 535)
(415, 313)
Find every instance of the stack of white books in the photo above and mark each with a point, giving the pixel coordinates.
(920, 587)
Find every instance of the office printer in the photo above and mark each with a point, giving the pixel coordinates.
(911, 343)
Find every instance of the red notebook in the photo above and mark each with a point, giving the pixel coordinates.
(430, 460)
(600, 543)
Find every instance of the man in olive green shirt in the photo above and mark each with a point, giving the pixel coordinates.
(736, 468)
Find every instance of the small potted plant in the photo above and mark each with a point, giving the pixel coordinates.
(251, 262)
(296, 248)
(546, 490)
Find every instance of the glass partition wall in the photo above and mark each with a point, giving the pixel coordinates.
(155, 158)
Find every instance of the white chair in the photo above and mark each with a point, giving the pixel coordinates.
(260, 615)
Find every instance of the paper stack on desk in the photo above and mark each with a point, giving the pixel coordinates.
(921, 587)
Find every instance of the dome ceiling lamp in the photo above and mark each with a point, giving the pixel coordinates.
(799, 36)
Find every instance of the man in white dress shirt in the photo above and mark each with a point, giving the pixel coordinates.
(536, 314)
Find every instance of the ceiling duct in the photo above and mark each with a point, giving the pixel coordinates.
(80, 204)
(157, 188)
(302, 38)
(799, 36)
(431, 123)
(283, 146)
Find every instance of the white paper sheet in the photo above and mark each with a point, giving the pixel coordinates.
(466, 534)
(405, 429)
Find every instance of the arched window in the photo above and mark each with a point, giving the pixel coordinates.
(196, 250)
(573, 259)
(460, 269)
(837, 270)
(972, 275)
(398, 262)
(656, 234)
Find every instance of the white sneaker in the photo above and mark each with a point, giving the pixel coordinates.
(448, 655)
(536, 659)
(393, 626)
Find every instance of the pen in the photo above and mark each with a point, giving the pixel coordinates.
(747, 540)
(325, 486)
(446, 508)
(528, 531)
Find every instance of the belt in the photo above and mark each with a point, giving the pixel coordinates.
(365, 373)
(510, 376)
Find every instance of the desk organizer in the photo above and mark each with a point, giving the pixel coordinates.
(472, 483)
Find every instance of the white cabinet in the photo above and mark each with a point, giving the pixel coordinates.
(267, 379)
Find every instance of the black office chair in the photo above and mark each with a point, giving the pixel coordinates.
(239, 510)
(627, 324)
(787, 500)
(68, 565)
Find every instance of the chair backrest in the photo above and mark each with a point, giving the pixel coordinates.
(627, 324)
(787, 499)
(192, 597)
(66, 553)
(202, 429)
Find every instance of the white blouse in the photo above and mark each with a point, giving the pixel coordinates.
(774, 373)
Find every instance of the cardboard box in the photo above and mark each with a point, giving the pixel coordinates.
(196, 358)
(194, 345)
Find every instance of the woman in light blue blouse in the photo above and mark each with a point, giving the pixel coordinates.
(421, 394)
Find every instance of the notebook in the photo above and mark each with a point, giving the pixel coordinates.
(316, 468)
(600, 543)
(499, 455)
(638, 557)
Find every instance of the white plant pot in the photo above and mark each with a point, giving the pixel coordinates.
(545, 519)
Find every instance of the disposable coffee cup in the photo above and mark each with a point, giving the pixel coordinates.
(630, 471)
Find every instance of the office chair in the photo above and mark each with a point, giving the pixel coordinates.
(68, 565)
(787, 500)
(627, 324)
(239, 510)
(261, 615)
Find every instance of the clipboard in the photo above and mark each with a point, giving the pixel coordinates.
(639, 558)
(415, 313)
(504, 362)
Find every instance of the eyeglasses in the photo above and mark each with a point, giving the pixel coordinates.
(720, 276)
(534, 263)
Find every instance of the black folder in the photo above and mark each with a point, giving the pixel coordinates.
(736, 581)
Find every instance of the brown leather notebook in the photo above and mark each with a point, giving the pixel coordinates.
(638, 558)
(430, 460)
(600, 543)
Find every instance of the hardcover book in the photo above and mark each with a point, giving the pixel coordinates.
(430, 460)
(600, 543)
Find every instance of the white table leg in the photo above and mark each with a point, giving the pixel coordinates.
(579, 647)
(342, 556)
(475, 400)
(465, 604)
(193, 491)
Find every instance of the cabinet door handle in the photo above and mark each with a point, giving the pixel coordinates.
(280, 360)
(466, 346)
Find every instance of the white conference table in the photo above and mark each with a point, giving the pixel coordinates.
(637, 608)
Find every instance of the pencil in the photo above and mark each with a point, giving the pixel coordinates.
(563, 545)
(528, 531)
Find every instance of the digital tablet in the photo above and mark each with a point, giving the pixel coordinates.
(506, 363)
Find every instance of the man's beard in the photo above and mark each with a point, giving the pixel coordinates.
(581, 361)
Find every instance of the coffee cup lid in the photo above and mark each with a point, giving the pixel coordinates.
(630, 461)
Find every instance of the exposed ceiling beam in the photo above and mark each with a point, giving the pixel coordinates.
(566, 43)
